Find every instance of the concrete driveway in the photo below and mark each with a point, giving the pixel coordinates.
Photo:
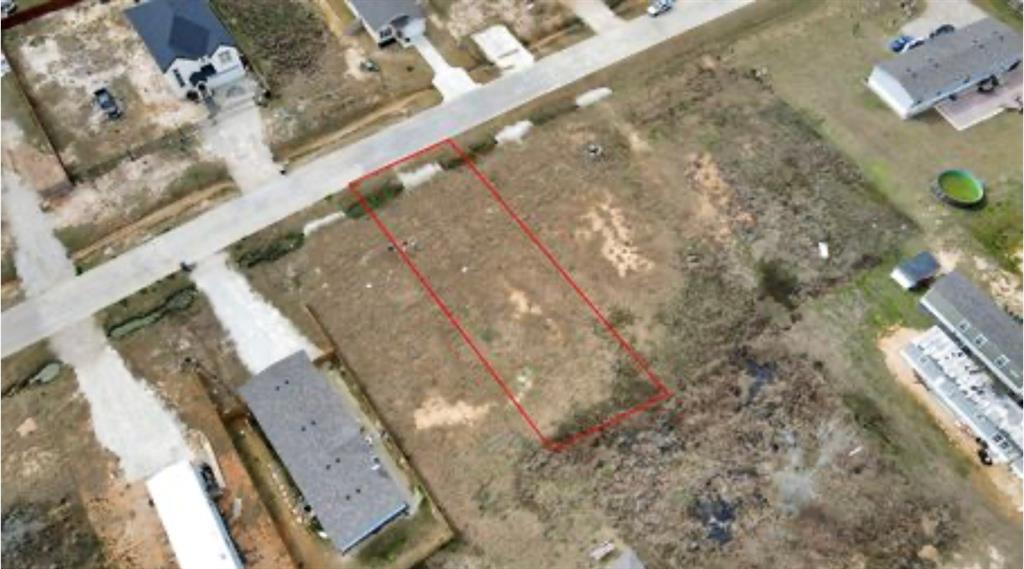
(451, 81)
(128, 419)
(938, 12)
(234, 134)
(596, 14)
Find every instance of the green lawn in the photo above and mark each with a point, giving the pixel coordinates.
(818, 60)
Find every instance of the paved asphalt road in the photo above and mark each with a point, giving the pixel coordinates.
(76, 299)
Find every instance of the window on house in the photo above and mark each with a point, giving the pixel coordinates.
(980, 340)
(1001, 361)
(225, 57)
(963, 325)
(178, 78)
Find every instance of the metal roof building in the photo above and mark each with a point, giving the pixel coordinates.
(915, 270)
(966, 389)
(914, 81)
(980, 326)
(193, 525)
(178, 29)
(324, 449)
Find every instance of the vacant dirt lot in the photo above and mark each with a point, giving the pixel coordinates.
(166, 179)
(695, 224)
(64, 56)
(529, 21)
(309, 54)
(689, 205)
(532, 326)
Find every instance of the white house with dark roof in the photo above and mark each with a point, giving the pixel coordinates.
(390, 20)
(189, 44)
(946, 65)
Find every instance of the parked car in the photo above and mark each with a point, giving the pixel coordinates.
(899, 42)
(943, 29)
(913, 44)
(659, 7)
(107, 103)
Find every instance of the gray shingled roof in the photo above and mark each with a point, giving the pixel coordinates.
(173, 29)
(981, 326)
(380, 13)
(323, 447)
(967, 55)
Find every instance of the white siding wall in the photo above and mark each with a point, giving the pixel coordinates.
(226, 60)
(415, 28)
(890, 91)
(894, 95)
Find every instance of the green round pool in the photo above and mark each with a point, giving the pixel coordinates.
(960, 187)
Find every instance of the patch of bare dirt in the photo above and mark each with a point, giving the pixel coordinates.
(64, 56)
(122, 194)
(529, 21)
(610, 225)
(437, 412)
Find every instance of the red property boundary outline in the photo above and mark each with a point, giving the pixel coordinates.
(559, 445)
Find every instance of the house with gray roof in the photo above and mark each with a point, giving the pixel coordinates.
(991, 335)
(946, 65)
(327, 452)
(390, 20)
(189, 44)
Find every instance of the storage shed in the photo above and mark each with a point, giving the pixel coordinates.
(915, 271)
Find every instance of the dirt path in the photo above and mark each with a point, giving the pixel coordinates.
(1003, 487)
(38, 255)
(127, 417)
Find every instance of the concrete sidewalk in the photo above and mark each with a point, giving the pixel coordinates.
(78, 298)
(596, 14)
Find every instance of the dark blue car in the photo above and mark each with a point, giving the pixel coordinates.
(897, 44)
